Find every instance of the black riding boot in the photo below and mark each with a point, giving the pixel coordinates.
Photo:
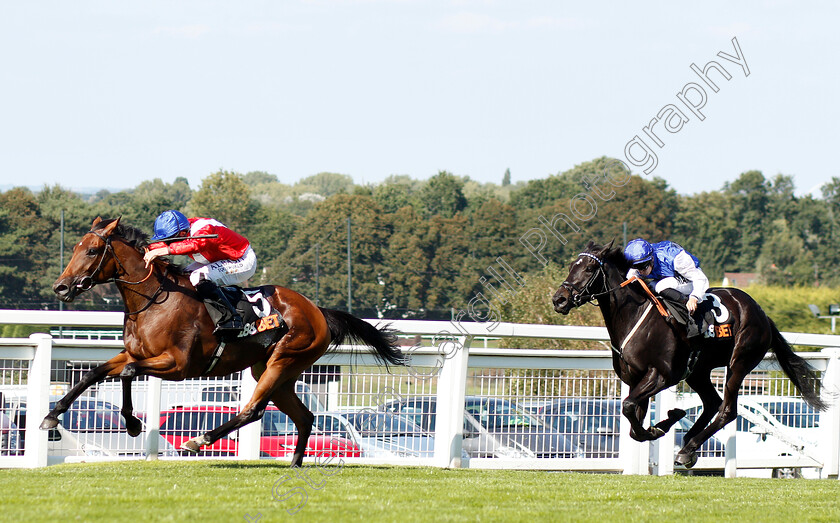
(688, 320)
(221, 311)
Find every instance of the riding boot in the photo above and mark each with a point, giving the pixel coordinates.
(691, 324)
(222, 312)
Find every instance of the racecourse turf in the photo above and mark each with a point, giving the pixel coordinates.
(267, 491)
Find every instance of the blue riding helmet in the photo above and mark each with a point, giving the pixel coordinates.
(638, 252)
(168, 224)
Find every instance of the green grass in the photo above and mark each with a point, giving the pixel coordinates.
(227, 491)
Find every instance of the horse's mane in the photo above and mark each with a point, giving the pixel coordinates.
(132, 235)
(136, 238)
(609, 254)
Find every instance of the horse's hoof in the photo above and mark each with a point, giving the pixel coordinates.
(50, 422)
(685, 459)
(192, 446)
(676, 414)
(133, 426)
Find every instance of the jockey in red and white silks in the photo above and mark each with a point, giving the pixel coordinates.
(225, 260)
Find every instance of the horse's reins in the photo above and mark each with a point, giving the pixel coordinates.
(582, 298)
(87, 282)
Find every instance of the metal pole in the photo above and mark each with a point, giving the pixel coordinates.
(317, 270)
(349, 272)
(61, 261)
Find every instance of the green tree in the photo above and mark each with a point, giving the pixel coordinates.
(749, 199)
(326, 225)
(226, 197)
(443, 195)
(325, 184)
(24, 251)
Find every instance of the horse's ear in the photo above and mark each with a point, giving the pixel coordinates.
(95, 221)
(110, 227)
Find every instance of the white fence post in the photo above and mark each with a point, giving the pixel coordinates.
(451, 392)
(830, 419)
(730, 452)
(633, 454)
(38, 400)
(153, 417)
(665, 401)
(248, 446)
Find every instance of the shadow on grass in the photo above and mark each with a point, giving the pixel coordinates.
(270, 464)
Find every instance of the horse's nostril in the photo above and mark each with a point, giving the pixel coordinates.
(60, 288)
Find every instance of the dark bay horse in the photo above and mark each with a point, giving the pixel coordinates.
(651, 353)
(169, 334)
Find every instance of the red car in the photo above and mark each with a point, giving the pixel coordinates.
(278, 435)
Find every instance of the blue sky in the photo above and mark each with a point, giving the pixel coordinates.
(108, 94)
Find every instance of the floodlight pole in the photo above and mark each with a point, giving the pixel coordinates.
(349, 272)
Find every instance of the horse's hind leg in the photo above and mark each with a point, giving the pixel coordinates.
(701, 383)
(727, 412)
(275, 374)
(92, 377)
(288, 402)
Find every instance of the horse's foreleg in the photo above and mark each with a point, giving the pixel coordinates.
(634, 406)
(163, 365)
(115, 364)
(132, 425)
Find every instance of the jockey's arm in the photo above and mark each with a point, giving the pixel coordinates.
(685, 266)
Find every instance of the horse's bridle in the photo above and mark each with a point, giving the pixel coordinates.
(582, 297)
(87, 282)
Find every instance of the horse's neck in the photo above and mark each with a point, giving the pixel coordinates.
(622, 308)
(136, 296)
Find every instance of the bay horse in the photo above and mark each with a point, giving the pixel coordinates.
(169, 334)
(652, 353)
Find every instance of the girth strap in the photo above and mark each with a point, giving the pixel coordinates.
(214, 359)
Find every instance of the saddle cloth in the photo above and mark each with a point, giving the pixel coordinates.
(263, 324)
(712, 318)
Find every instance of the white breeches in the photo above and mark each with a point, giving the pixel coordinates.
(225, 272)
(673, 283)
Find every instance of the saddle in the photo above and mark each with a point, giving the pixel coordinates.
(711, 320)
(263, 324)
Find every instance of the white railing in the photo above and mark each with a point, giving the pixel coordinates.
(445, 360)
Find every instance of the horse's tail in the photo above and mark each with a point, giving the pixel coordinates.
(346, 327)
(803, 376)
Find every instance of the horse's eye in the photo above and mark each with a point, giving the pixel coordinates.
(92, 252)
(588, 269)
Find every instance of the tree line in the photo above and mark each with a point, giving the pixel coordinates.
(420, 248)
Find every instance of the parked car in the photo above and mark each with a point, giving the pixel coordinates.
(194, 392)
(493, 427)
(90, 427)
(380, 434)
(10, 443)
(760, 434)
(278, 434)
(592, 423)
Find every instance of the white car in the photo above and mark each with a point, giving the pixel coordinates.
(761, 435)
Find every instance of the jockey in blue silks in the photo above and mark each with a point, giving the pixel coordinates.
(672, 269)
